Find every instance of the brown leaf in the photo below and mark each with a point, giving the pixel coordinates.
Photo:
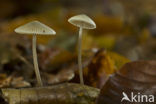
(136, 77)
(4, 80)
(99, 69)
(63, 75)
(101, 66)
(19, 82)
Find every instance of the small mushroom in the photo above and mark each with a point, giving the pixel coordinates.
(35, 28)
(83, 22)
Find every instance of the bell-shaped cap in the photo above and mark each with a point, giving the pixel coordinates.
(82, 21)
(35, 27)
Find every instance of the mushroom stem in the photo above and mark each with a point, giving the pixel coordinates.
(79, 57)
(37, 72)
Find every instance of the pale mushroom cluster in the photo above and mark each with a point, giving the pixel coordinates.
(36, 28)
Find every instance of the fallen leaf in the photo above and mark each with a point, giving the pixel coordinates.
(5, 81)
(18, 82)
(136, 77)
(103, 64)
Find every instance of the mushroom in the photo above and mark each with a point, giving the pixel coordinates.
(35, 28)
(83, 22)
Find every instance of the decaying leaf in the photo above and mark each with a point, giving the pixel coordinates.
(4, 80)
(99, 69)
(12, 81)
(19, 82)
(63, 75)
(67, 93)
(136, 77)
(102, 65)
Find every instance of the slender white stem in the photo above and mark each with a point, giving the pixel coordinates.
(37, 72)
(79, 57)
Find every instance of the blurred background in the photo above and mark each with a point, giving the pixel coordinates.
(126, 30)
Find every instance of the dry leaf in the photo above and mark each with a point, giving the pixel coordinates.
(4, 80)
(19, 82)
(136, 77)
(101, 66)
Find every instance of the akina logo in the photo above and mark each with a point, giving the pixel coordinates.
(137, 98)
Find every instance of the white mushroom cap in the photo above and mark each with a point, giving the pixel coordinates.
(82, 21)
(35, 27)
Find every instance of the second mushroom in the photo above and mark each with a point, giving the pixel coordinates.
(35, 28)
(83, 22)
